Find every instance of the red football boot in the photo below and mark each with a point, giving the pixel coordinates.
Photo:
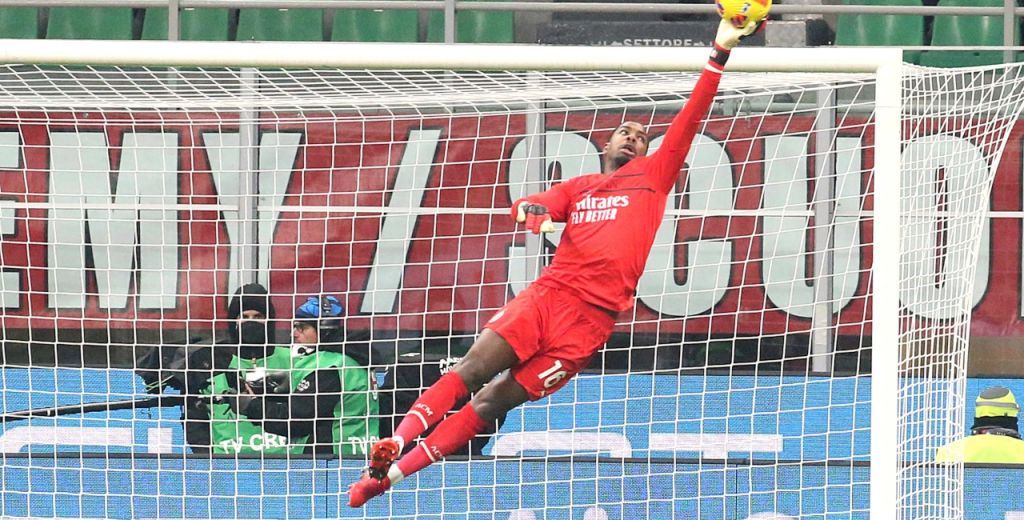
(367, 487)
(382, 455)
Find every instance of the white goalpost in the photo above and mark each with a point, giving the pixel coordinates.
(798, 347)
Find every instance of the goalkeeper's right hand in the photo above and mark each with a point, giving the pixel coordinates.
(729, 35)
(536, 217)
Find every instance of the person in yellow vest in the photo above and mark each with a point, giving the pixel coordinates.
(994, 437)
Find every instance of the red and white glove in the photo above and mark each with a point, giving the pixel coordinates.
(729, 36)
(536, 217)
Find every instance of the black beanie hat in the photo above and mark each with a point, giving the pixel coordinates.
(250, 297)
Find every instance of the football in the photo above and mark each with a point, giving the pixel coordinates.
(739, 12)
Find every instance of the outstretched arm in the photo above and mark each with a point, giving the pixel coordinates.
(669, 158)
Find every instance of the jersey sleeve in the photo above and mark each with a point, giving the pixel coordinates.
(668, 160)
(556, 199)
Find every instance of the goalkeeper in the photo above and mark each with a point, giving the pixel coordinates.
(551, 329)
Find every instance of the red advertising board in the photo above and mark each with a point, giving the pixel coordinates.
(428, 248)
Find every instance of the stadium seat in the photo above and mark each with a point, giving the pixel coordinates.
(879, 29)
(90, 23)
(474, 27)
(19, 22)
(282, 25)
(967, 30)
(193, 24)
(375, 26)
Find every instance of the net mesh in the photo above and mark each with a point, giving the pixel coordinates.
(134, 203)
(956, 125)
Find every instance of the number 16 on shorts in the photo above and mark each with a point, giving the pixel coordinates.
(553, 375)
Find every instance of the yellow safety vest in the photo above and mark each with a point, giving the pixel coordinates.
(983, 448)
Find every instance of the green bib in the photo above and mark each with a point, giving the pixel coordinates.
(356, 429)
(358, 426)
(232, 433)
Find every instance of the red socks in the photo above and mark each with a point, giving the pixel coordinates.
(432, 406)
(450, 435)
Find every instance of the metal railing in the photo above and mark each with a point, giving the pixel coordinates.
(1009, 12)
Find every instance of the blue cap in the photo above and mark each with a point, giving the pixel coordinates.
(319, 308)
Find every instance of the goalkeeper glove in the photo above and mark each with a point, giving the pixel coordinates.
(536, 217)
(729, 36)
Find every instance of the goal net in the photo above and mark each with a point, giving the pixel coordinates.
(798, 346)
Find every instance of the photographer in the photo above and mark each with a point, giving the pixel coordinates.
(310, 399)
(247, 395)
(202, 372)
(251, 378)
(338, 394)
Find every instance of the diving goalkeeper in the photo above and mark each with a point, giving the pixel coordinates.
(551, 329)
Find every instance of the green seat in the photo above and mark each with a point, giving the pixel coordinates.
(19, 22)
(193, 24)
(375, 26)
(474, 27)
(281, 25)
(967, 30)
(90, 23)
(882, 29)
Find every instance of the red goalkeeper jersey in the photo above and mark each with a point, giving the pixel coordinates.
(611, 220)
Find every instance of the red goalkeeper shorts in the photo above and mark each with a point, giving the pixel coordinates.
(553, 333)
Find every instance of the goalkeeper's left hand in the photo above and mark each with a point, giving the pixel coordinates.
(729, 36)
(536, 217)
